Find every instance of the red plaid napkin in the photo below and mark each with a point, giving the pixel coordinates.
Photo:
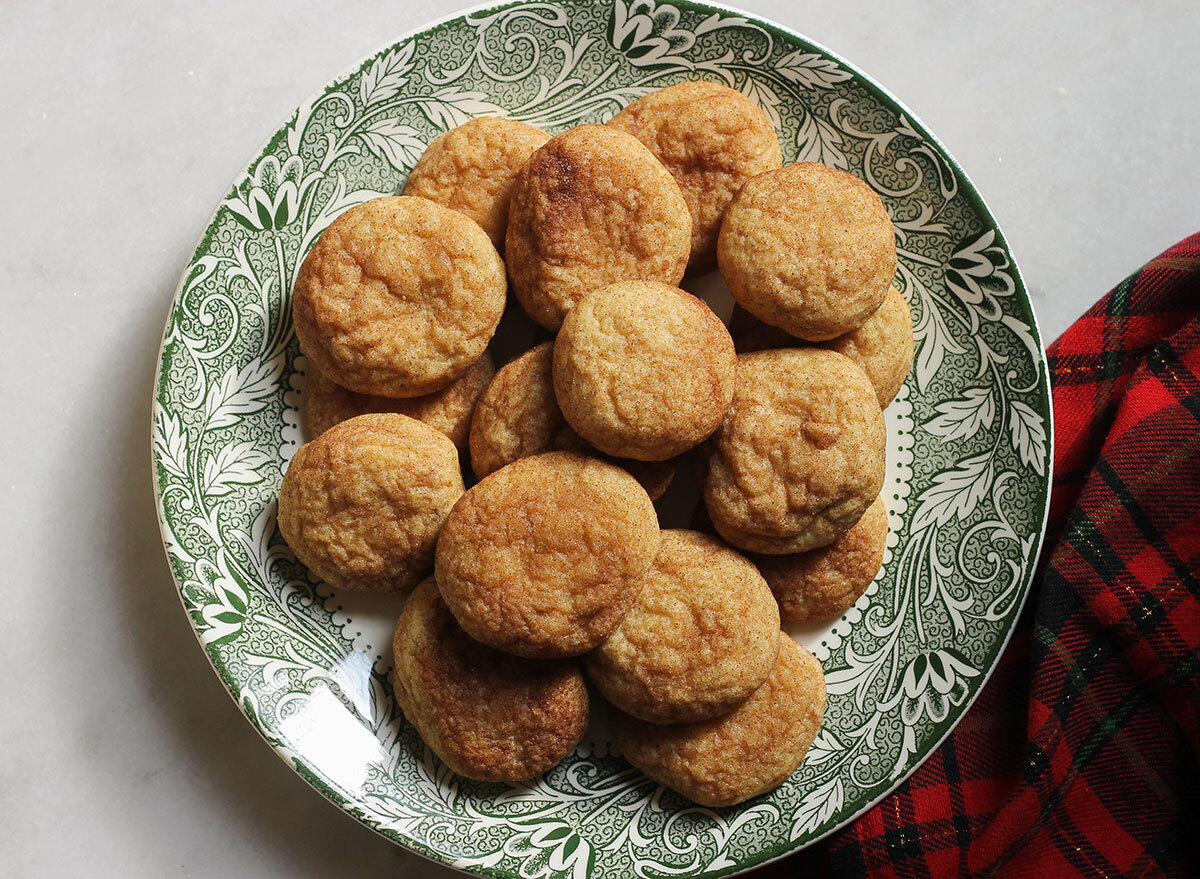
(1080, 757)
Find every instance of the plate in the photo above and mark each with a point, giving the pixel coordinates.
(968, 458)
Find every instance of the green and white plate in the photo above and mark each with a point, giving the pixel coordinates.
(968, 471)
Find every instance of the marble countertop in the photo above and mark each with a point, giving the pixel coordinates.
(123, 125)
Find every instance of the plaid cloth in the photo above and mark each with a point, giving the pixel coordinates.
(1080, 756)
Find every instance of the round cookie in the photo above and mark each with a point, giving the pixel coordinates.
(825, 582)
(809, 249)
(447, 411)
(398, 297)
(882, 346)
(712, 139)
(701, 637)
(472, 169)
(643, 370)
(591, 207)
(488, 715)
(361, 505)
(545, 556)
(518, 416)
(747, 752)
(801, 452)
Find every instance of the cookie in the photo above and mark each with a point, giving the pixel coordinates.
(712, 139)
(518, 416)
(809, 249)
(398, 297)
(800, 453)
(488, 715)
(825, 582)
(701, 637)
(591, 207)
(361, 505)
(747, 752)
(643, 370)
(472, 169)
(883, 346)
(545, 556)
(447, 411)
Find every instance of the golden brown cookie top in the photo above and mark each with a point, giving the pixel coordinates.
(361, 505)
(447, 411)
(591, 207)
(398, 297)
(518, 416)
(472, 169)
(801, 451)
(712, 139)
(747, 752)
(825, 582)
(643, 370)
(488, 715)
(808, 248)
(543, 557)
(701, 637)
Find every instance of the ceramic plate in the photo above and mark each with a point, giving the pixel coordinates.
(968, 457)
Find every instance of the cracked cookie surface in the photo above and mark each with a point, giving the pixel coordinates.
(808, 248)
(800, 454)
(643, 370)
(361, 505)
(544, 557)
(591, 207)
(398, 297)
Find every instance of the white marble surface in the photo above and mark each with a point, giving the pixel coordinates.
(123, 124)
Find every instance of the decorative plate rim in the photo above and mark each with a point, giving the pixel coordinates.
(768, 854)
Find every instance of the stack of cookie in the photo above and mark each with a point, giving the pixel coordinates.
(552, 569)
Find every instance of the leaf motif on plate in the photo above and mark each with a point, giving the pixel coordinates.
(955, 493)
(962, 417)
(242, 392)
(818, 806)
(818, 141)
(450, 107)
(1028, 434)
(386, 75)
(232, 465)
(810, 70)
(400, 145)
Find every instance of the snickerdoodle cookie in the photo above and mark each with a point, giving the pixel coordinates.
(747, 752)
(824, 582)
(361, 505)
(545, 556)
(800, 454)
(643, 370)
(448, 411)
(398, 297)
(472, 169)
(591, 207)
(883, 346)
(808, 248)
(517, 416)
(712, 139)
(488, 715)
(701, 637)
